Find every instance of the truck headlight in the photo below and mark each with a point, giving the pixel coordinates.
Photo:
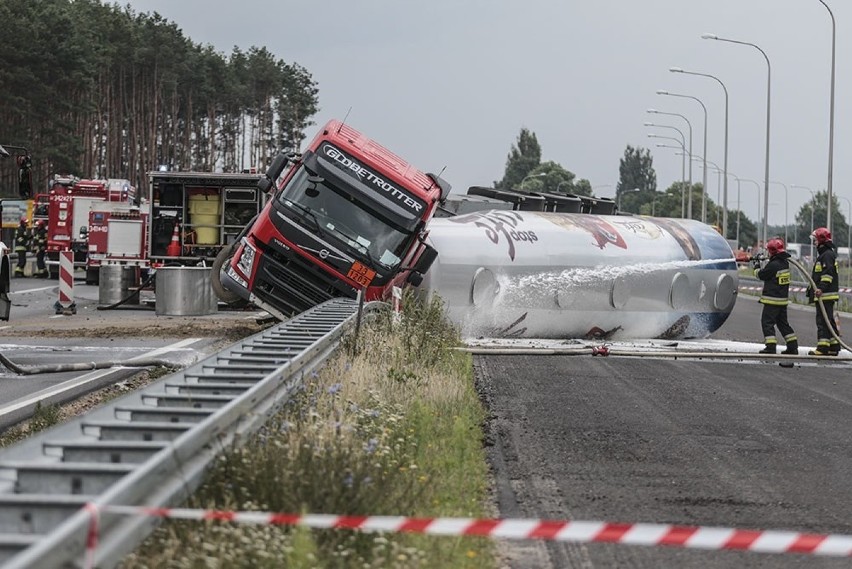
(246, 261)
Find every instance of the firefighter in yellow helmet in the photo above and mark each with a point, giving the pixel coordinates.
(22, 244)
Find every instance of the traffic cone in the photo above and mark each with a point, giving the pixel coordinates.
(173, 250)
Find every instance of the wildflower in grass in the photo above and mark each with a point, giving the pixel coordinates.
(334, 389)
(371, 445)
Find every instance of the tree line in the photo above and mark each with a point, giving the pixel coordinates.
(98, 90)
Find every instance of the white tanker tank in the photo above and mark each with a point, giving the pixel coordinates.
(574, 275)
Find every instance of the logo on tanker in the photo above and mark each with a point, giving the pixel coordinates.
(372, 179)
(601, 231)
(499, 224)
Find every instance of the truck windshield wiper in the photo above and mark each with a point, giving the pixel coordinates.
(307, 214)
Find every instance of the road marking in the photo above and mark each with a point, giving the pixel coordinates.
(32, 290)
(165, 349)
(63, 349)
(55, 390)
(84, 379)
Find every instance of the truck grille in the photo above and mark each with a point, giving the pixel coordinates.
(292, 285)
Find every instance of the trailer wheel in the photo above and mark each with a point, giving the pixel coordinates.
(231, 299)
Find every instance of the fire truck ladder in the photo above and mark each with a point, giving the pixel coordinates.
(151, 447)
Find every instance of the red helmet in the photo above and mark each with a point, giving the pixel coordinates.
(39, 223)
(775, 246)
(821, 235)
(24, 220)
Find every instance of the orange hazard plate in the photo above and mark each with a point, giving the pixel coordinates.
(361, 274)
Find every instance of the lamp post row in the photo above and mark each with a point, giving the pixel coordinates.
(766, 180)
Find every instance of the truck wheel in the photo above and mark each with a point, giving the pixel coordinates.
(231, 299)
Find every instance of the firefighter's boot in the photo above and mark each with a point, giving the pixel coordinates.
(822, 351)
(769, 349)
(834, 349)
(792, 348)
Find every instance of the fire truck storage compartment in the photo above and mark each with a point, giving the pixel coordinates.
(184, 291)
(162, 228)
(115, 282)
(204, 215)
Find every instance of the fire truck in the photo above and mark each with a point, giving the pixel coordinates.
(70, 200)
(348, 215)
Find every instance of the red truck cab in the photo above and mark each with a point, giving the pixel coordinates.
(348, 215)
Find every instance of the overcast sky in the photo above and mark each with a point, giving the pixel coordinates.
(452, 82)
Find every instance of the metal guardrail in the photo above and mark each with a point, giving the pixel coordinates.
(152, 446)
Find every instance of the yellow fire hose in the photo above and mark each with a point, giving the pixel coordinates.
(818, 301)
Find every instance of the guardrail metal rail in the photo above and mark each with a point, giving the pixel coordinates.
(152, 446)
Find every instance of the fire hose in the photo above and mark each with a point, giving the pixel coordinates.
(818, 300)
(82, 366)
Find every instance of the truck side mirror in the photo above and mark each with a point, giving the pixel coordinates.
(427, 257)
(268, 181)
(25, 176)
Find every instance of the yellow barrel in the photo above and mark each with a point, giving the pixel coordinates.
(204, 216)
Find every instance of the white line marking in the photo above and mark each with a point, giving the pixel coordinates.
(32, 290)
(82, 380)
(174, 347)
(55, 390)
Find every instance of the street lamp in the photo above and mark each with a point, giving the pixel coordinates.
(683, 194)
(786, 201)
(528, 176)
(704, 193)
(683, 160)
(813, 202)
(625, 192)
(682, 176)
(725, 163)
(768, 101)
(757, 185)
(831, 117)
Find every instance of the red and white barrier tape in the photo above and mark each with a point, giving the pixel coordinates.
(690, 537)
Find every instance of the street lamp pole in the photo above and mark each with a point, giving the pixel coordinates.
(688, 189)
(831, 117)
(813, 202)
(704, 182)
(528, 176)
(757, 185)
(768, 102)
(682, 173)
(725, 162)
(786, 202)
(683, 161)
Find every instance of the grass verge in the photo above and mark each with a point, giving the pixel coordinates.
(390, 426)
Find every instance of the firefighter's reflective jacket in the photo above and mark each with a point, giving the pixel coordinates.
(40, 239)
(825, 272)
(776, 280)
(22, 238)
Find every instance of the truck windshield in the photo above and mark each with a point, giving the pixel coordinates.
(329, 212)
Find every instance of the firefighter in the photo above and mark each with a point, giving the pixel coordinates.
(827, 289)
(40, 248)
(774, 298)
(22, 244)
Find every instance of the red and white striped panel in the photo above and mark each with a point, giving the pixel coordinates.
(795, 289)
(66, 277)
(691, 537)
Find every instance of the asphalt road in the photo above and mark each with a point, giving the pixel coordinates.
(740, 445)
(36, 345)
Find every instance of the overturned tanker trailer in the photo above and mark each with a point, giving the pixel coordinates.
(574, 275)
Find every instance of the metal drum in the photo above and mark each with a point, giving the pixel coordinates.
(184, 291)
(573, 275)
(114, 283)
